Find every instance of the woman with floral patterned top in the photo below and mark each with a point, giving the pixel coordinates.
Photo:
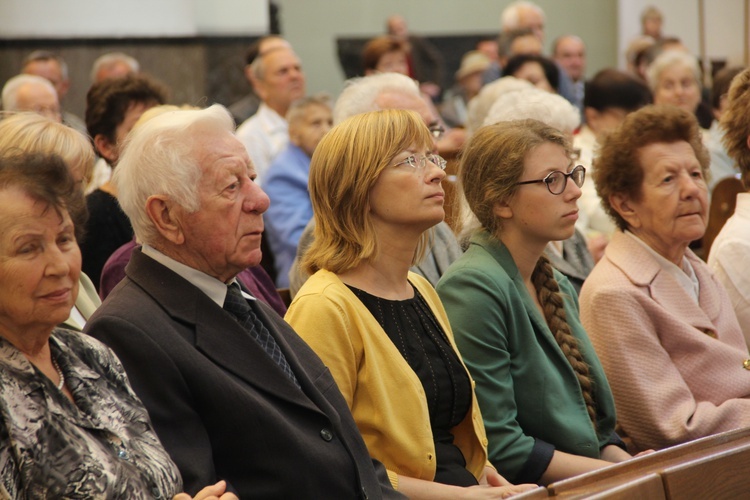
(70, 425)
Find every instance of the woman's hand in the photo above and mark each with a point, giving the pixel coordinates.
(493, 478)
(615, 454)
(486, 491)
(213, 492)
(494, 485)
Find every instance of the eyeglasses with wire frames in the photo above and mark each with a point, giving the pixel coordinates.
(557, 180)
(418, 163)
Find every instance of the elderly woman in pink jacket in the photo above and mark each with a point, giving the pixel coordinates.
(661, 323)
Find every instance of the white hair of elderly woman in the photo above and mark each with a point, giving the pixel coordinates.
(529, 103)
(667, 60)
(480, 105)
(533, 103)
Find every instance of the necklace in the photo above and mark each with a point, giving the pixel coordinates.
(60, 373)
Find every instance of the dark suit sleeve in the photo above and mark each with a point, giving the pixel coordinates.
(158, 382)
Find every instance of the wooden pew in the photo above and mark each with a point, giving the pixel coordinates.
(648, 487)
(536, 494)
(725, 474)
(618, 475)
(723, 202)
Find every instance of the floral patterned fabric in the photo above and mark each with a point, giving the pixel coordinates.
(103, 447)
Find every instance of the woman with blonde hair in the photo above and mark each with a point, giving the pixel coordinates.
(547, 406)
(33, 133)
(375, 189)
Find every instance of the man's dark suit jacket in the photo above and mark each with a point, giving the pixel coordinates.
(221, 407)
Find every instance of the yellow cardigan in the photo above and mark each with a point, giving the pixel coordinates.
(382, 391)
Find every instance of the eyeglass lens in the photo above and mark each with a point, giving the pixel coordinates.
(557, 180)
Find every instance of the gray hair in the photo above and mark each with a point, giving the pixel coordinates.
(480, 105)
(550, 109)
(667, 60)
(159, 157)
(360, 94)
(258, 68)
(298, 108)
(12, 86)
(46, 55)
(112, 58)
(510, 19)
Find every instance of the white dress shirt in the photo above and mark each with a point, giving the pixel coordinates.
(265, 135)
(730, 260)
(594, 220)
(215, 289)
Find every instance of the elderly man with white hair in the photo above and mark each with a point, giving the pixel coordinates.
(373, 93)
(523, 14)
(232, 391)
(31, 93)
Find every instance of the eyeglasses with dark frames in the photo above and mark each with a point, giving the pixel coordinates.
(557, 180)
(418, 163)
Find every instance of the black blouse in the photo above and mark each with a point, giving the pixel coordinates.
(416, 333)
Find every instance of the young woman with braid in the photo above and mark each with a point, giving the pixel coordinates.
(547, 406)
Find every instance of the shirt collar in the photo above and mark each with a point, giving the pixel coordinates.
(684, 274)
(212, 287)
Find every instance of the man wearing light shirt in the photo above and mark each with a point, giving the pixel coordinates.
(278, 79)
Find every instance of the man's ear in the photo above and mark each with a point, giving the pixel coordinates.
(249, 74)
(623, 206)
(165, 215)
(64, 87)
(256, 83)
(105, 148)
(502, 210)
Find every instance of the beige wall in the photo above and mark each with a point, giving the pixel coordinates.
(313, 25)
(723, 24)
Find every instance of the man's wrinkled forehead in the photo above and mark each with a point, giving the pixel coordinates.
(214, 145)
(392, 99)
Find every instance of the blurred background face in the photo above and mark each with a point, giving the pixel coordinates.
(117, 69)
(527, 44)
(677, 86)
(393, 62)
(571, 55)
(111, 152)
(652, 26)
(39, 99)
(488, 48)
(283, 80)
(472, 83)
(604, 121)
(397, 27)
(533, 72)
(532, 19)
(307, 131)
(51, 70)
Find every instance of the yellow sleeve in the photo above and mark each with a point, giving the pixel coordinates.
(327, 329)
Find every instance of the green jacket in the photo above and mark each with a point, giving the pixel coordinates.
(528, 392)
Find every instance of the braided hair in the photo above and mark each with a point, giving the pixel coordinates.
(551, 300)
